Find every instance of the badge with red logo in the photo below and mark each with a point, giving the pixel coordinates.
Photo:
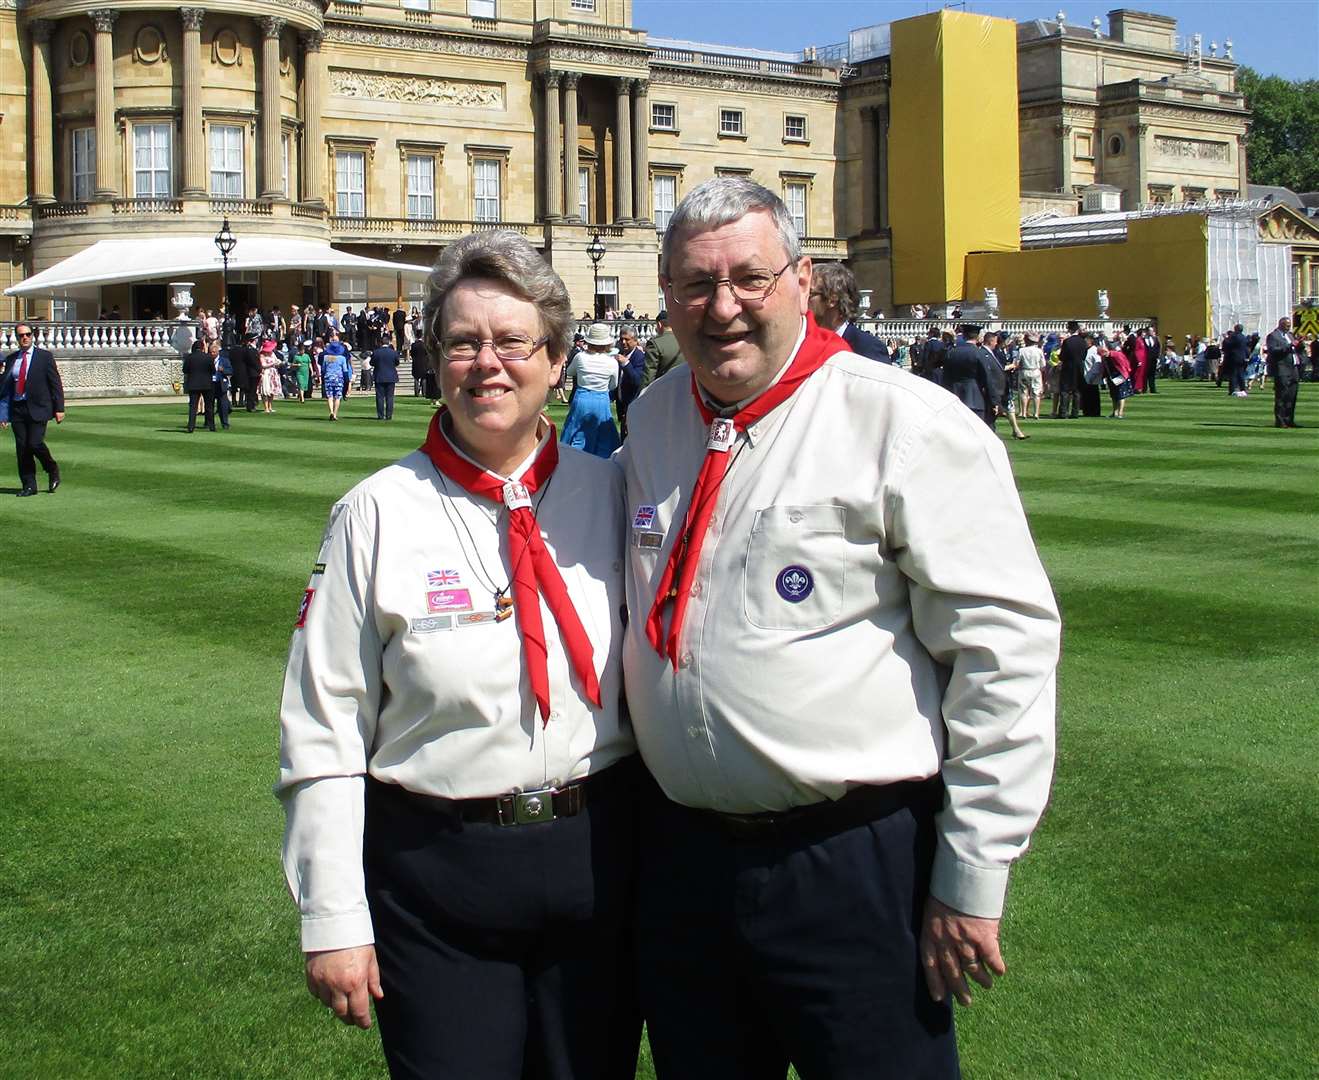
(303, 608)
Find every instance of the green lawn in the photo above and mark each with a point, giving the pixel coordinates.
(1163, 926)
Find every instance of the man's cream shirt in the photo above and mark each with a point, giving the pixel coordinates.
(869, 608)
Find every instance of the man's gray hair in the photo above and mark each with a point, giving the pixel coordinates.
(505, 257)
(838, 285)
(722, 201)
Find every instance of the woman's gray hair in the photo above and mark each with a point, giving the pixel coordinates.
(507, 257)
(722, 201)
(838, 285)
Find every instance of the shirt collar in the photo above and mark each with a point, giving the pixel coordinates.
(720, 409)
(543, 434)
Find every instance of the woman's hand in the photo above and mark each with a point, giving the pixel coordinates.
(345, 980)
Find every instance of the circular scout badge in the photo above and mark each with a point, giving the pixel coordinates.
(794, 584)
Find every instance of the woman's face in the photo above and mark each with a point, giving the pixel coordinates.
(495, 404)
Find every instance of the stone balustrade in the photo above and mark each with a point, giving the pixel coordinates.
(101, 336)
(343, 227)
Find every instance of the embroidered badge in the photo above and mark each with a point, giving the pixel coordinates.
(431, 623)
(516, 495)
(722, 434)
(475, 618)
(648, 540)
(448, 600)
(794, 584)
(440, 579)
(303, 608)
(644, 517)
(319, 568)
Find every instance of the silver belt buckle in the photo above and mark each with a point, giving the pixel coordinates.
(533, 807)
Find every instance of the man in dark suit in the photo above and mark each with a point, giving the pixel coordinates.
(932, 355)
(1280, 351)
(36, 394)
(834, 301)
(221, 372)
(631, 368)
(247, 369)
(199, 385)
(384, 365)
(400, 321)
(1071, 373)
(1236, 352)
(971, 373)
(662, 351)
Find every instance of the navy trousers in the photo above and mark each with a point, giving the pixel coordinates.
(30, 445)
(385, 401)
(505, 952)
(799, 947)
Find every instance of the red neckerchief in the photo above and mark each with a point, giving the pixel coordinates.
(676, 582)
(533, 576)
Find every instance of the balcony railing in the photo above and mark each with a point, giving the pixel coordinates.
(750, 65)
(147, 206)
(240, 208)
(343, 226)
(102, 336)
(52, 211)
(544, 28)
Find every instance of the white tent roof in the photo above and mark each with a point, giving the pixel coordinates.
(175, 258)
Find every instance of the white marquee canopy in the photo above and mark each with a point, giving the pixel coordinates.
(178, 258)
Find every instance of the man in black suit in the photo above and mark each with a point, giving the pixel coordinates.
(1280, 351)
(221, 372)
(932, 355)
(247, 369)
(400, 321)
(1236, 353)
(834, 301)
(384, 365)
(1071, 373)
(36, 393)
(971, 373)
(199, 385)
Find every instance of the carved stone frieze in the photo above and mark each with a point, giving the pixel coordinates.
(416, 88)
(596, 54)
(416, 41)
(1199, 149)
(739, 81)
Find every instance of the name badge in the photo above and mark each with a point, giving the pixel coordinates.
(722, 434)
(516, 495)
(432, 623)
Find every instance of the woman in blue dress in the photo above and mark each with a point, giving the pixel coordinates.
(335, 373)
(594, 373)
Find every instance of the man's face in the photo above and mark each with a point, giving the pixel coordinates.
(735, 347)
(24, 334)
(1284, 324)
(213, 349)
(629, 342)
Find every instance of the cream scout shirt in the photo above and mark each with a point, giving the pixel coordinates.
(869, 608)
(400, 669)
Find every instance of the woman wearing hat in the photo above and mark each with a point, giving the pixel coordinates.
(336, 370)
(457, 773)
(269, 384)
(594, 372)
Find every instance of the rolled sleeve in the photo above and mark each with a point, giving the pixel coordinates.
(983, 608)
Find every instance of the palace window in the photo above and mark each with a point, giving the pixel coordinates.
(731, 122)
(421, 187)
(227, 161)
(584, 193)
(152, 158)
(284, 142)
(417, 5)
(664, 187)
(485, 189)
(350, 183)
(84, 163)
(794, 196)
(1160, 193)
(350, 287)
(582, 5)
(663, 116)
(481, 9)
(794, 128)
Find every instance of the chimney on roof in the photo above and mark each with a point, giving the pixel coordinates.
(1142, 28)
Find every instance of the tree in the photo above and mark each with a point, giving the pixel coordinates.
(1283, 145)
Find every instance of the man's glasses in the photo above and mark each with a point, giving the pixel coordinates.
(25, 333)
(508, 347)
(751, 286)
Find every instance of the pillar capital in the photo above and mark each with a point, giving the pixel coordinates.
(103, 19)
(641, 87)
(41, 30)
(552, 79)
(192, 17)
(571, 79)
(271, 25)
(311, 40)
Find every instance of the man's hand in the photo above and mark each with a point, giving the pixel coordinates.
(59, 418)
(345, 980)
(954, 946)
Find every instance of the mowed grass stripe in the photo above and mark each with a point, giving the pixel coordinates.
(1161, 927)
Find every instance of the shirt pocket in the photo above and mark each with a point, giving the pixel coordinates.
(796, 568)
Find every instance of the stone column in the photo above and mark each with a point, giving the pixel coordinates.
(869, 167)
(42, 122)
(271, 160)
(194, 151)
(881, 167)
(570, 146)
(313, 144)
(1063, 133)
(553, 146)
(641, 150)
(107, 186)
(623, 153)
(1141, 133)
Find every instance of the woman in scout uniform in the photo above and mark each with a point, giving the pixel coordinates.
(457, 776)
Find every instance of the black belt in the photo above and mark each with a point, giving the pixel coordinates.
(515, 808)
(857, 807)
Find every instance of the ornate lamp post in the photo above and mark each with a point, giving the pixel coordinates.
(595, 251)
(226, 241)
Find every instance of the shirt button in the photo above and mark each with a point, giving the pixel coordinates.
(795, 516)
(696, 588)
(555, 714)
(617, 567)
(685, 660)
(753, 430)
(695, 732)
